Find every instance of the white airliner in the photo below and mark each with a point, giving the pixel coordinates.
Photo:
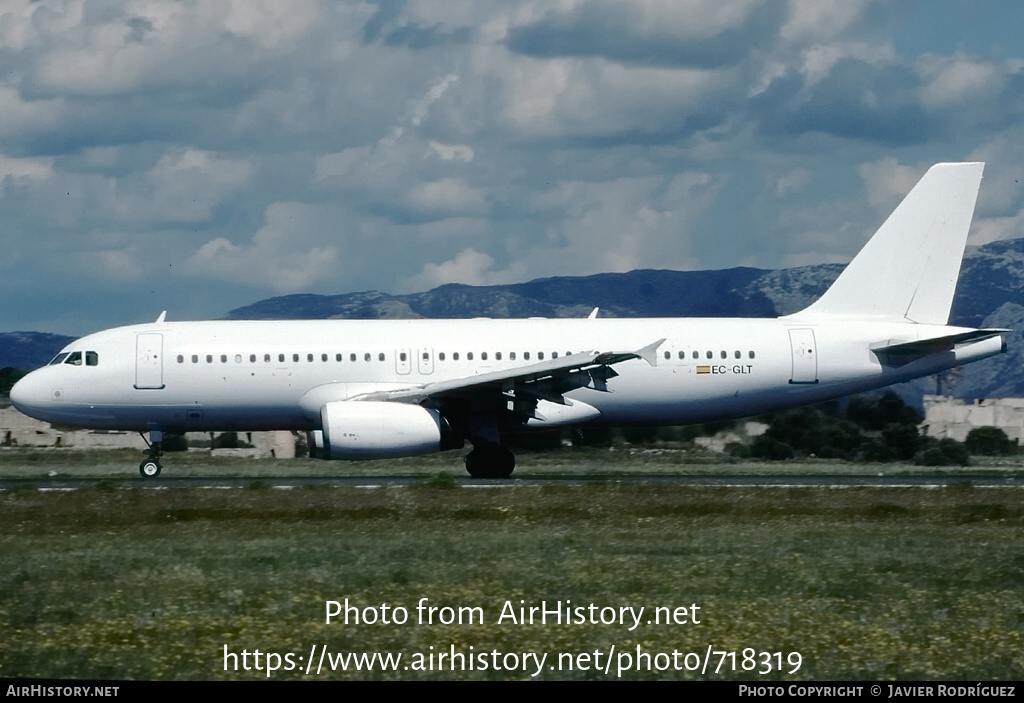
(388, 388)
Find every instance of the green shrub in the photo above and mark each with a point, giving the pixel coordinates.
(943, 452)
(640, 435)
(989, 441)
(873, 449)
(175, 442)
(738, 450)
(878, 412)
(903, 441)
(767, 447)
(593, 436)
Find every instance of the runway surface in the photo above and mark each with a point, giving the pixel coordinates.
(972, 478)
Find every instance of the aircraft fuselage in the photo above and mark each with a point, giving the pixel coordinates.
(241, 375)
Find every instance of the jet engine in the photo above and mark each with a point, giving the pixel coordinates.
(376, 430)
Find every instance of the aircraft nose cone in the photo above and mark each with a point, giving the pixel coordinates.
(26, 396)
(19, 394)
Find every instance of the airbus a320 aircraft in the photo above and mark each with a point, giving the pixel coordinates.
(389, 388)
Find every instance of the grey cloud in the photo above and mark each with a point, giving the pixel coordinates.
(855, 101)
(615, 31)
(420, 37)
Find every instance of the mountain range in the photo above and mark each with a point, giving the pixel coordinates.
(990, 293)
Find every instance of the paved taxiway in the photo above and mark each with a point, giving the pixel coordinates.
(973, 478)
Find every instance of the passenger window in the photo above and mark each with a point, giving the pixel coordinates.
(526, 356)
(181, 359)
(266, 358)
(366, 356)
(223, 358)
(469, 356)
(512, 356)
(668, 355)
(540, 355)
(497, 356)
(750, 354)
(309, 358)
(295, 358)
(280, 358)
(554, 355)
(402, 356)
(711, 355)
(441, 356)
(724, 354)
(238, 358)
(252, 358)
(455, 356)
(209, 358)
(484, 356)
(737, 354)
(323, 358)
(337, 357)
(195, 358)
(426, 356)
(682, 355)
(380, 357)
(352, 357)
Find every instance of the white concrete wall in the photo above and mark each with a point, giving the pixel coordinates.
(949, 417)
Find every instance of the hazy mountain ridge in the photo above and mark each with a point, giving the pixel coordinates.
(29, 350)
(642, 293)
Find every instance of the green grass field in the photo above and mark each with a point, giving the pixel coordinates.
(863, 583)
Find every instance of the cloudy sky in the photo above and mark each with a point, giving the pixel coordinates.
(198, 155)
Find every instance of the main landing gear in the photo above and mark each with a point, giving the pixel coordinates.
(150, 466)
(490, 461)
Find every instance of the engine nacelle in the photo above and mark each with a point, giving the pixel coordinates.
(378, 430)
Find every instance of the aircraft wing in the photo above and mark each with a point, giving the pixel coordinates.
(545, 379)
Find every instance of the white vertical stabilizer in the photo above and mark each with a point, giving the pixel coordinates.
(908, 271)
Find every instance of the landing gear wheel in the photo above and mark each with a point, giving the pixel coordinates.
(474, 466)
(490, 462)
(150, 466)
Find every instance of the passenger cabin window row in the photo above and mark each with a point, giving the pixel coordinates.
(352, 357)
(403, 357)
(737, 354)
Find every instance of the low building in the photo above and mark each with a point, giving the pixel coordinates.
(950, 417)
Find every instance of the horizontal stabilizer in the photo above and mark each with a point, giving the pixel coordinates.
(898, 353)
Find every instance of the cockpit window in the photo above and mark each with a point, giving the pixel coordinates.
(92, 358)
(74, 358)
(59, 359)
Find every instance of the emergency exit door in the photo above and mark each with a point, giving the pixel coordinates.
(805, 356)
(149, 361)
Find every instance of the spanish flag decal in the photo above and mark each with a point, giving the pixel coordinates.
(703, 369)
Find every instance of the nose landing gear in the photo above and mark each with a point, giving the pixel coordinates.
(150, 466)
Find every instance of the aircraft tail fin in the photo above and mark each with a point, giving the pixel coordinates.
(907, 272)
